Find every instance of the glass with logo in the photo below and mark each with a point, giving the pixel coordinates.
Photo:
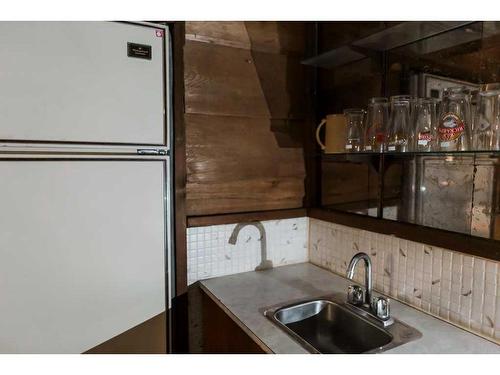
(354, 134)
(454, 120)
(485, 132)
(425, 124)
(376, 124)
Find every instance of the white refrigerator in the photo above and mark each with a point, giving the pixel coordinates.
(85, 191)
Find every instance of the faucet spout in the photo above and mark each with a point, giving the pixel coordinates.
(264, 263)
(368, 273)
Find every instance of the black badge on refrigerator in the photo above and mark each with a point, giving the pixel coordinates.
(140, 51)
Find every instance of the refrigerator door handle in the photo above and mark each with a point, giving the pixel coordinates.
(152, 151)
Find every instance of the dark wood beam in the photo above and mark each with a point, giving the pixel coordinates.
(201, 221)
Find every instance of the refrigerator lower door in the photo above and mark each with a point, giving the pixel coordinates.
(83, 252)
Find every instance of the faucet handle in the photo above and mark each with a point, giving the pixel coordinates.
(355, 295)
(381, 307)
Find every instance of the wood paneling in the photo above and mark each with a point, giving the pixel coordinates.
(245, 195)
(179, 160)
(282, 79)
(229, 81)
(149, 337)
(223, 149)
(222, 80)
(265, 36)
(236, 164)
(229, 33)
(245, 110)
(282, 37)
(178, 314)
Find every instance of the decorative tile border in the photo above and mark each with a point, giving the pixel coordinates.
(209, 254)
(456, 287)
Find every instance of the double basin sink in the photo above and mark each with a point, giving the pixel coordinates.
(330, 325)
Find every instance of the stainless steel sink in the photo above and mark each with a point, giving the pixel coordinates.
(327, 325)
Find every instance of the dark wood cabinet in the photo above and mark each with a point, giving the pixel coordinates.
(221, 334)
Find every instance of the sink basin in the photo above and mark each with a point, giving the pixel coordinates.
(330, 328)
(327, 325)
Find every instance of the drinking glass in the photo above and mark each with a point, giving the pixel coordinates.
(399, 124)
(454, 120)
(425, 124)
(485, 124)
(408, 99)
(410, 102)
(473, 108)
(354, 133)
(376, 124)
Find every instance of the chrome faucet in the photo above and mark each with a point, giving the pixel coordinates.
(368, 274)
(377, 307)
(264, 262)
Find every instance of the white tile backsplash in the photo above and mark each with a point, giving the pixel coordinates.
(460, 288)
(209, 253)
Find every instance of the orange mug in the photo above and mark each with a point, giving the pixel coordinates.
(335, 133)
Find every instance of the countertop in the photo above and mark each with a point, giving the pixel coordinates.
(246, 295)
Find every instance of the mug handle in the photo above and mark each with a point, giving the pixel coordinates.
(323, 122)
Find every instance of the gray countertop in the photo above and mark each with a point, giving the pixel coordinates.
(247, 295)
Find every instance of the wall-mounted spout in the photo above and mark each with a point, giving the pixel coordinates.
(264, 262)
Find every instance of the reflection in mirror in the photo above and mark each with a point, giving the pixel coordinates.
(443, 192)
(458, 192)
(398, 197)
(469, 54)
(351, 183)
(486, 199)
(450, 192)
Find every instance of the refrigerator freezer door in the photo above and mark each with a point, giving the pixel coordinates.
(97, 82)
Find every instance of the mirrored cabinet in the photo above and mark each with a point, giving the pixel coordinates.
(453, 192)
(427, 148)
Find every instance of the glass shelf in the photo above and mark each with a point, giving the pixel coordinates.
(412, 153)
(421, 37)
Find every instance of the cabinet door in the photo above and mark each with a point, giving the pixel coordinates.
(75, 82)
(82, 252)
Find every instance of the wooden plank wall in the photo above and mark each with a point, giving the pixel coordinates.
(245, 96)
